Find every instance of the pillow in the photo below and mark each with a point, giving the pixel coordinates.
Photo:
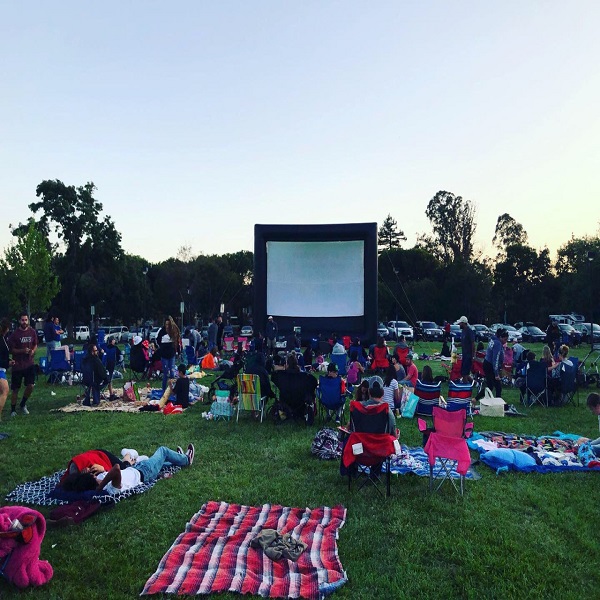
(505, 457)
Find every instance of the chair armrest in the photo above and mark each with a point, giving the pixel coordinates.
(422, 425)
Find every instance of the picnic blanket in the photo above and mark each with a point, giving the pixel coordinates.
(43, 491)
(214, 553)
(415, 461)
(526, 453)
(105, 406)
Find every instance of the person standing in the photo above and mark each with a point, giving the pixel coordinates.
(220, 329)
(5, 363)
(49, 333)
(467, 342)
(271, 331)
(494, 361)
(212, 334)
(167, 339)
(58, 331)
(22, 344)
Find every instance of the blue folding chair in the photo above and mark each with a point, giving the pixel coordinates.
(59, 369)
(536, 385)
(331, 398)
(568, 384)
(340, 360)
(190, 355)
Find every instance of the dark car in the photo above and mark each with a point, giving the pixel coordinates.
(429, 330)
(531, 333)
(456, 333)
(482, 333)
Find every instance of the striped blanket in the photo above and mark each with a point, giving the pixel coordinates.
(214, 553)
(415, 461)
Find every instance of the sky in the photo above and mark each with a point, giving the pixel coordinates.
(196, 120)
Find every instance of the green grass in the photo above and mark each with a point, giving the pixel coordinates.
(512, 535)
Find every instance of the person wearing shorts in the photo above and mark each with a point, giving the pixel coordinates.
(23, 344)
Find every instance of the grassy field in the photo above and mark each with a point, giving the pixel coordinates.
(511, 536)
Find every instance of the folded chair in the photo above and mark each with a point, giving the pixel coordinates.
(447, 442)
(190, 355)
(228, 344)
(249, 396)
(331, 397)
(536, 386)
(369, 445)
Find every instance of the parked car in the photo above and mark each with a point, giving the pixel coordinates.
(584, 330)
(428, 330)
(247, 331)
(115, 332)
(531, 333)
(398, 328)
(456, 333)
(228, 331)
(573, 336)
(82, 333)
(383, 331)
(482, 333)
(513, 334)
(153, 333)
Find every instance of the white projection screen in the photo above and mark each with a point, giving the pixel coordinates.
(316, 278)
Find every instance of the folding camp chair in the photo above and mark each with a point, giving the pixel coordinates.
(296, 394)
(249, 396)
(77, 372)
(244, 342)
(340, 360)
(369, 445)
(229, 344)
(429, 396)
(568, 384)
(59, 369)
(331, 397)
(447, 442)
(536, 385)
(459, 396)
(190, 355)
(402, 353)
(477, 371)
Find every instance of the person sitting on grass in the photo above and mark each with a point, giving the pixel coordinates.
(210, 362)
(118, 479)
(412, 373)
(181, 387)
(427, 375)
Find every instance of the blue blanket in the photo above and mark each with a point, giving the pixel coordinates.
(527, 453)
(415, 461)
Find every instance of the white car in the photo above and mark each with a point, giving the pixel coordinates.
(116, 332)
(514, 335)
(82, 333)
(398, 328)
(153, 333)
(247, 331)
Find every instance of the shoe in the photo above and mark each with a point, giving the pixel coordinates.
(190, 454)
(179, 450)
(13, 413)
(85, 403)
(24, 410)
(95, 403)
(113, 397)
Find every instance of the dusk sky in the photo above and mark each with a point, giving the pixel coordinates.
(196, 120)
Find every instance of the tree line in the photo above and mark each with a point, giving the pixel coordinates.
(68, 257)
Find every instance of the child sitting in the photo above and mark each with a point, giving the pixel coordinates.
(181, 387)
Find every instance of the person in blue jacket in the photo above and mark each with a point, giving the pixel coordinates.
(494, 361)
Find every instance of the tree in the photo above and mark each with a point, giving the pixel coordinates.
(87, 245)
(453, 221)
(27, 271)
(508, 232)
(389, 236)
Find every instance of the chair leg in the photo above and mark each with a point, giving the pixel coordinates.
(388, 476)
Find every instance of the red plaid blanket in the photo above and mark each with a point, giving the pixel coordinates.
(214, 553)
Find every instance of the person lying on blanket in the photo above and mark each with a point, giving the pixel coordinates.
(116, 479)
(593, 403)
(100, 458)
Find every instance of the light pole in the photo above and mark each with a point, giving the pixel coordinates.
(590, 256)
(144, 291)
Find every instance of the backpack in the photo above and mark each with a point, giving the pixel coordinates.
(73, 513)
(326, 445)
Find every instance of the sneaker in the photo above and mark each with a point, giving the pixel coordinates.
(190, 454)
(13, 413)
(179, 450)
(24, 410)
